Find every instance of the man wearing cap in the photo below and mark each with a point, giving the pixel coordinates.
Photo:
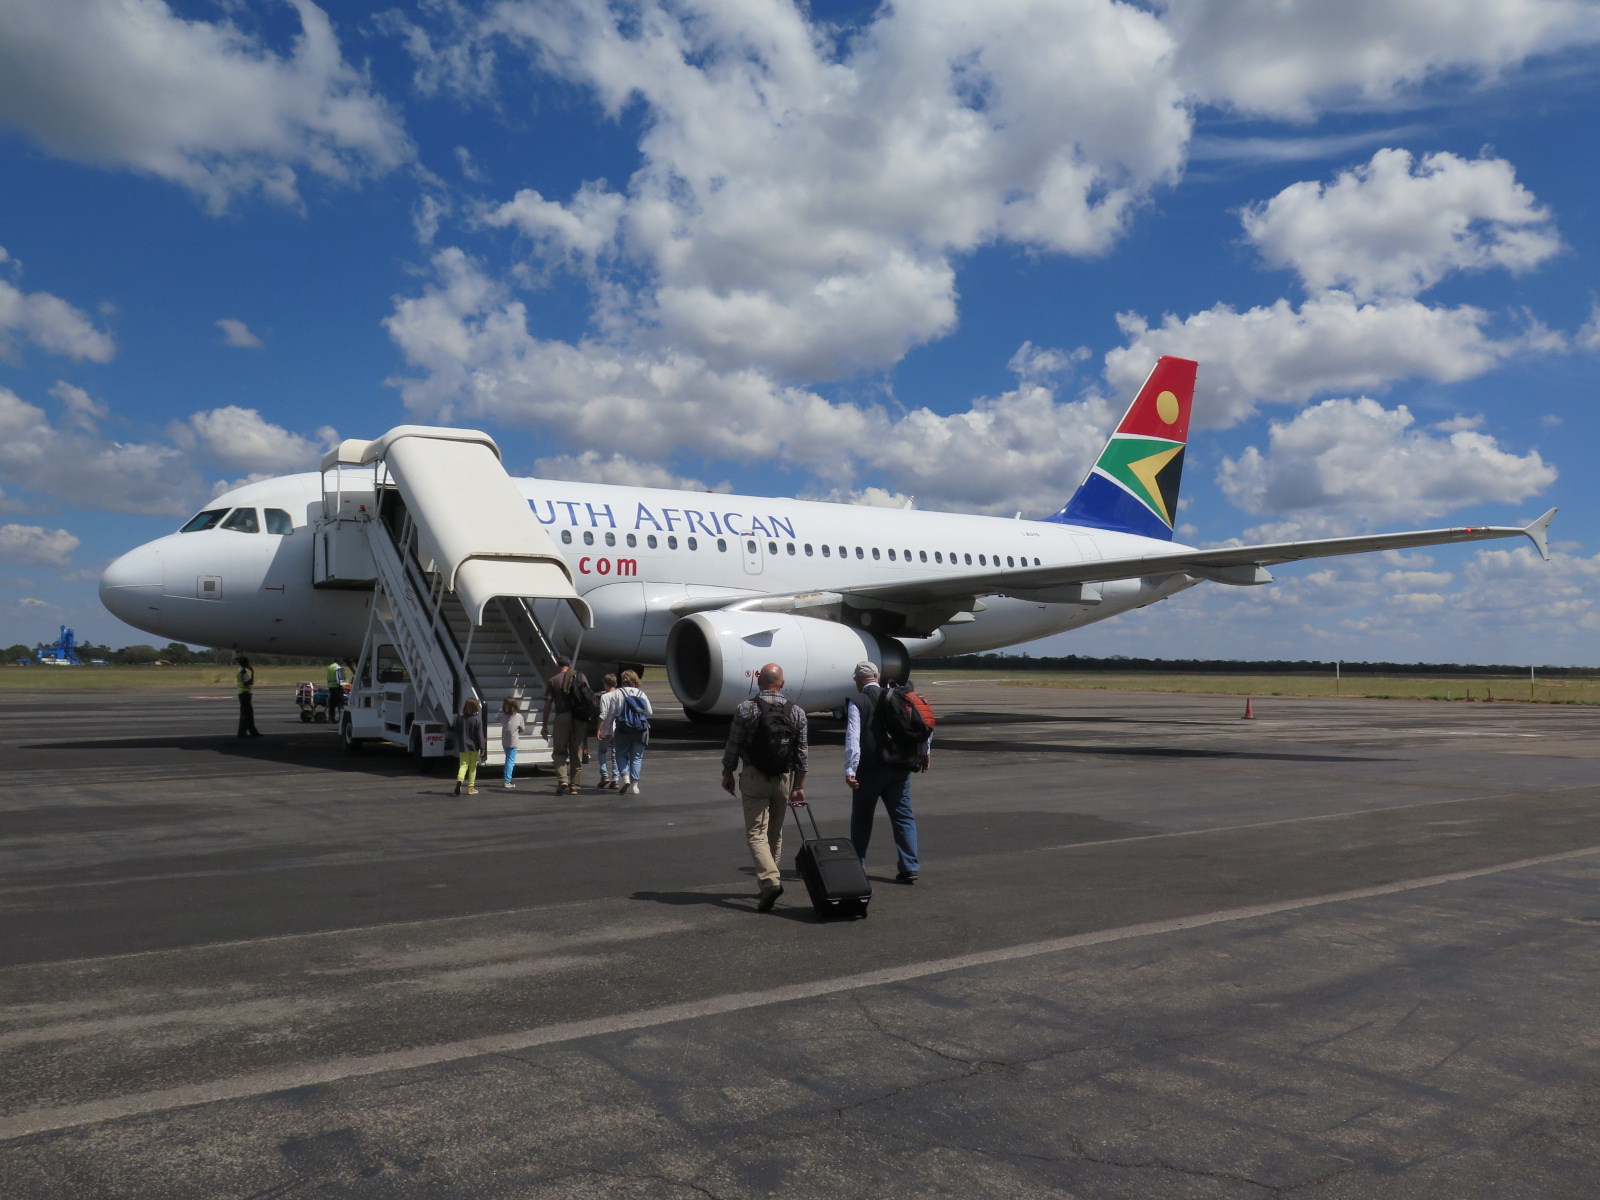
(872, 777)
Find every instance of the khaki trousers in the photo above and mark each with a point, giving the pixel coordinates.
(567, 739)
(765, 798)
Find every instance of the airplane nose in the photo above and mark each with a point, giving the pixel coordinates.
(131, 586)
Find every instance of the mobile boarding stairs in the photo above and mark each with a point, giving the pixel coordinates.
(470, 597)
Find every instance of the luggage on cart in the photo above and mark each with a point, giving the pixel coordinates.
(832, 871)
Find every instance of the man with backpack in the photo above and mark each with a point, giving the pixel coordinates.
(568, 695)
(886, 738)
(769, 734)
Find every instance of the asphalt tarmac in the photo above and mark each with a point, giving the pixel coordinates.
(1344, 949)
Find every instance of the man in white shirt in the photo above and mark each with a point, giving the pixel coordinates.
(871, 770)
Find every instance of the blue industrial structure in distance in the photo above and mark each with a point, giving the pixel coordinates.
(64, 653)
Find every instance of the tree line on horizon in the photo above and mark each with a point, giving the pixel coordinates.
(142, 655)
(1229, 666)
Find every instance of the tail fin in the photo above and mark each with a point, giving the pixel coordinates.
(1133, 485)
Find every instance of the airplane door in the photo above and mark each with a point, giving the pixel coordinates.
(752, 556)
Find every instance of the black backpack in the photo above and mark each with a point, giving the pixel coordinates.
(899, 727)
(581, 702)
(772, 745)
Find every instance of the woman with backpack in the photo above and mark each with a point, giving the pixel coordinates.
(631, 733)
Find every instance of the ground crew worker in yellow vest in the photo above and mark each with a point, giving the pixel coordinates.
(335, 689)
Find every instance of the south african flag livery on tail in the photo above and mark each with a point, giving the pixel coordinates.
(1133, 486)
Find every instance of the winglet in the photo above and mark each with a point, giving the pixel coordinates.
(1539, 534)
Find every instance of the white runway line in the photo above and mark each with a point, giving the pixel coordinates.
(334, 1070)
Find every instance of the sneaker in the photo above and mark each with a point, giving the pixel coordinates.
(458, 787)
(586, 758)
(511, 787)
(769, 897)
(622, 785)
(633, 790)
(906, 877)
(472, 791)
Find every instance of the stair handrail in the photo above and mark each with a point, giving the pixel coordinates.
(428, 663)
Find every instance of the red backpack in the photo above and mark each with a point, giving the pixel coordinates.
(901, 723)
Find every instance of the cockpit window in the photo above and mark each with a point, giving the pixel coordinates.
(243, 520)
(204, 520)
(279, 521)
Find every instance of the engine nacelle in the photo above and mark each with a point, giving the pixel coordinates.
(713, 658)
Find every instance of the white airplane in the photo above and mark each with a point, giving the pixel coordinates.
(714, 585)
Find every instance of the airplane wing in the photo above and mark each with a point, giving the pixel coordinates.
(1237, 565)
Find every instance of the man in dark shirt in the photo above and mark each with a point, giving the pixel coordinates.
(566, 741)
(765, 796)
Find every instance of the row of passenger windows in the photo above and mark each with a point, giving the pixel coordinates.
(652, 542)
(240, 520)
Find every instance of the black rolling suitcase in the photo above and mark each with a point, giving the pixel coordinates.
(832, 872)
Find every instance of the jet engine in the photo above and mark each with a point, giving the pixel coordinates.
(713, 657)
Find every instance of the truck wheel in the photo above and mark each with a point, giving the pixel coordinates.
(424, 763)
(351, 743)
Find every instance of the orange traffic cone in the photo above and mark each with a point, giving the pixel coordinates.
(1248, 714)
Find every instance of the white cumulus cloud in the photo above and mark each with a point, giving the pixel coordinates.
(1284, 354)
(1022, 449)
(34, 546)
(241, 438)
(1588, 336)
(68, 463)
(1395, 226)
(206, 104)
(1286, 58)
(50, 323)
(593, 467)
(799, 200)
(86, 471)
(81, 410)
(1359, 461)
(236, 333)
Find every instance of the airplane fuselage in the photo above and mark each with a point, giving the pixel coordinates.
(634, 553)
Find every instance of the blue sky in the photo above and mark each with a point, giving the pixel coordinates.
(841, 252)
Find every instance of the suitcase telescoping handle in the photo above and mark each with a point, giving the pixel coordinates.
(797, 805)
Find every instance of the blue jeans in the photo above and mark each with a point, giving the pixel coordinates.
(894, 789)
(630, 754)
(511, 763)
